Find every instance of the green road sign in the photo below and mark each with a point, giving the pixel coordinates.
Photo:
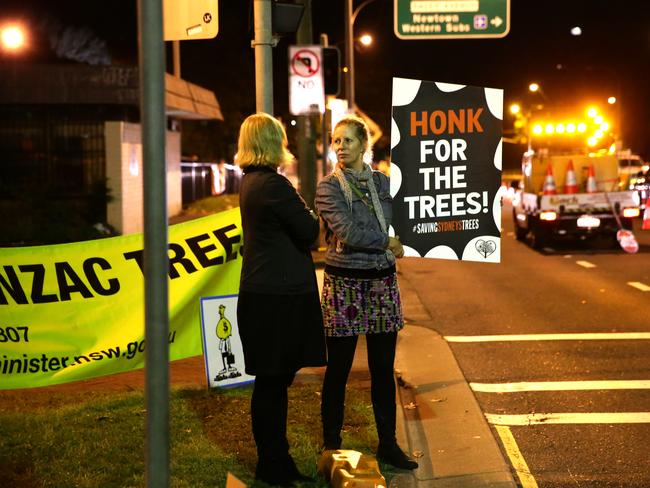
(451, 19)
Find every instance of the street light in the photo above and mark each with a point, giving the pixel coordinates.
(366, 39)
(576, 31)
(12, 37)
(350, 17)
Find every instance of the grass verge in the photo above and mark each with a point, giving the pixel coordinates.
(85, 439)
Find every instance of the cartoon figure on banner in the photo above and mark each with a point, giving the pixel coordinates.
(224, 331)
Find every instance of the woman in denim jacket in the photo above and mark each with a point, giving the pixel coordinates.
(360, 291)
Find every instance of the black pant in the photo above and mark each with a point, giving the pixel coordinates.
(269, 416)
(381, 358)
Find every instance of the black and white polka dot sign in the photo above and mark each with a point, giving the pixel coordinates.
(446, 170)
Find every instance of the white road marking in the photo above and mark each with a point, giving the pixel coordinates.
(516, 458)
(570, 418)
(585, 264)
(560, 386)
(638, 285)
(602, 336)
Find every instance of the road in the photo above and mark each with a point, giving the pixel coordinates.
(575, 327)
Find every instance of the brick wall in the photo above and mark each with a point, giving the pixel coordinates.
(124, 173)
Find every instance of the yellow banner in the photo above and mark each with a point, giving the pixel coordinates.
(76, 311)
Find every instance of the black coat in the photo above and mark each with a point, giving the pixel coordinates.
(278, 312)
(278, 231)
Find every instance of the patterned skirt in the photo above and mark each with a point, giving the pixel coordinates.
(354, 306)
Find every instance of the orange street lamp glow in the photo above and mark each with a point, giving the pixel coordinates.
(599, 119)
(604, 126)
(611, 100)
(571, 128)
(582, 127)
(533, 87)
(515, 108)
(559, 128)
(598, 134)
(592, 141)
(549, 129)
(366, 39)
(537, 129)
(12, 37)
(592, 112)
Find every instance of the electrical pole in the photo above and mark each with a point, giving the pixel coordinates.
(263, 44)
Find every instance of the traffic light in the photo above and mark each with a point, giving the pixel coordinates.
(331, 70)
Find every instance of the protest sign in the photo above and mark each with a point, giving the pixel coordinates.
(76, 311)
(222, 347)
(446, 169)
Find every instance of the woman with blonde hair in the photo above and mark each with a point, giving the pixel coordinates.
(278, 312)
(360, 291)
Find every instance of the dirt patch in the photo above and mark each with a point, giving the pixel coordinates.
(186, 374)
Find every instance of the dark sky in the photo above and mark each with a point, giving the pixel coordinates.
(612, 57)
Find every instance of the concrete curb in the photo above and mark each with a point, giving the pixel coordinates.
(442, 422)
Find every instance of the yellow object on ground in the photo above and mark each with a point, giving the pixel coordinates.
(350, 469)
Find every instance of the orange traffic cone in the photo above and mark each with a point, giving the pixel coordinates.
(646, 215)
(570, 182)
(591, 180)
(549, 182)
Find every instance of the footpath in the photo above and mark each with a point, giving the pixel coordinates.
(440, 422)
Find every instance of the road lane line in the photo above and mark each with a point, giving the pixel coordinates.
(638, 285)
(608, 336)
(560, 386)
(570, 418)
(516, 458)
(585, 264)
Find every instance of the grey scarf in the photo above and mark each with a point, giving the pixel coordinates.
(364, 175)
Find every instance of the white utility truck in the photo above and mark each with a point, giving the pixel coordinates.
(587, 206)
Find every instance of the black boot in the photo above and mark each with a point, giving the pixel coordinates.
(294, 474)
(279, 471)
(331, 442)
(393, 455)
(270, 472)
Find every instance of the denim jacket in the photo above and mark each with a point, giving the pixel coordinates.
(354, 236)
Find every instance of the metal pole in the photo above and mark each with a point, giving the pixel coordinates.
(324, 40)
(152, 115)
(263, 44)
(306, 123)
(349, 54)
(176, 49)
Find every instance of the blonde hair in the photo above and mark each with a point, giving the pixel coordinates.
(361, 131)
(262, 142)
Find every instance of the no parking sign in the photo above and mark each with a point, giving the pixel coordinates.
(306, 91)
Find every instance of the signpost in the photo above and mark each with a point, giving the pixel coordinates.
(306, 90)
(186, 20)
(451, 19)
(194, 20)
